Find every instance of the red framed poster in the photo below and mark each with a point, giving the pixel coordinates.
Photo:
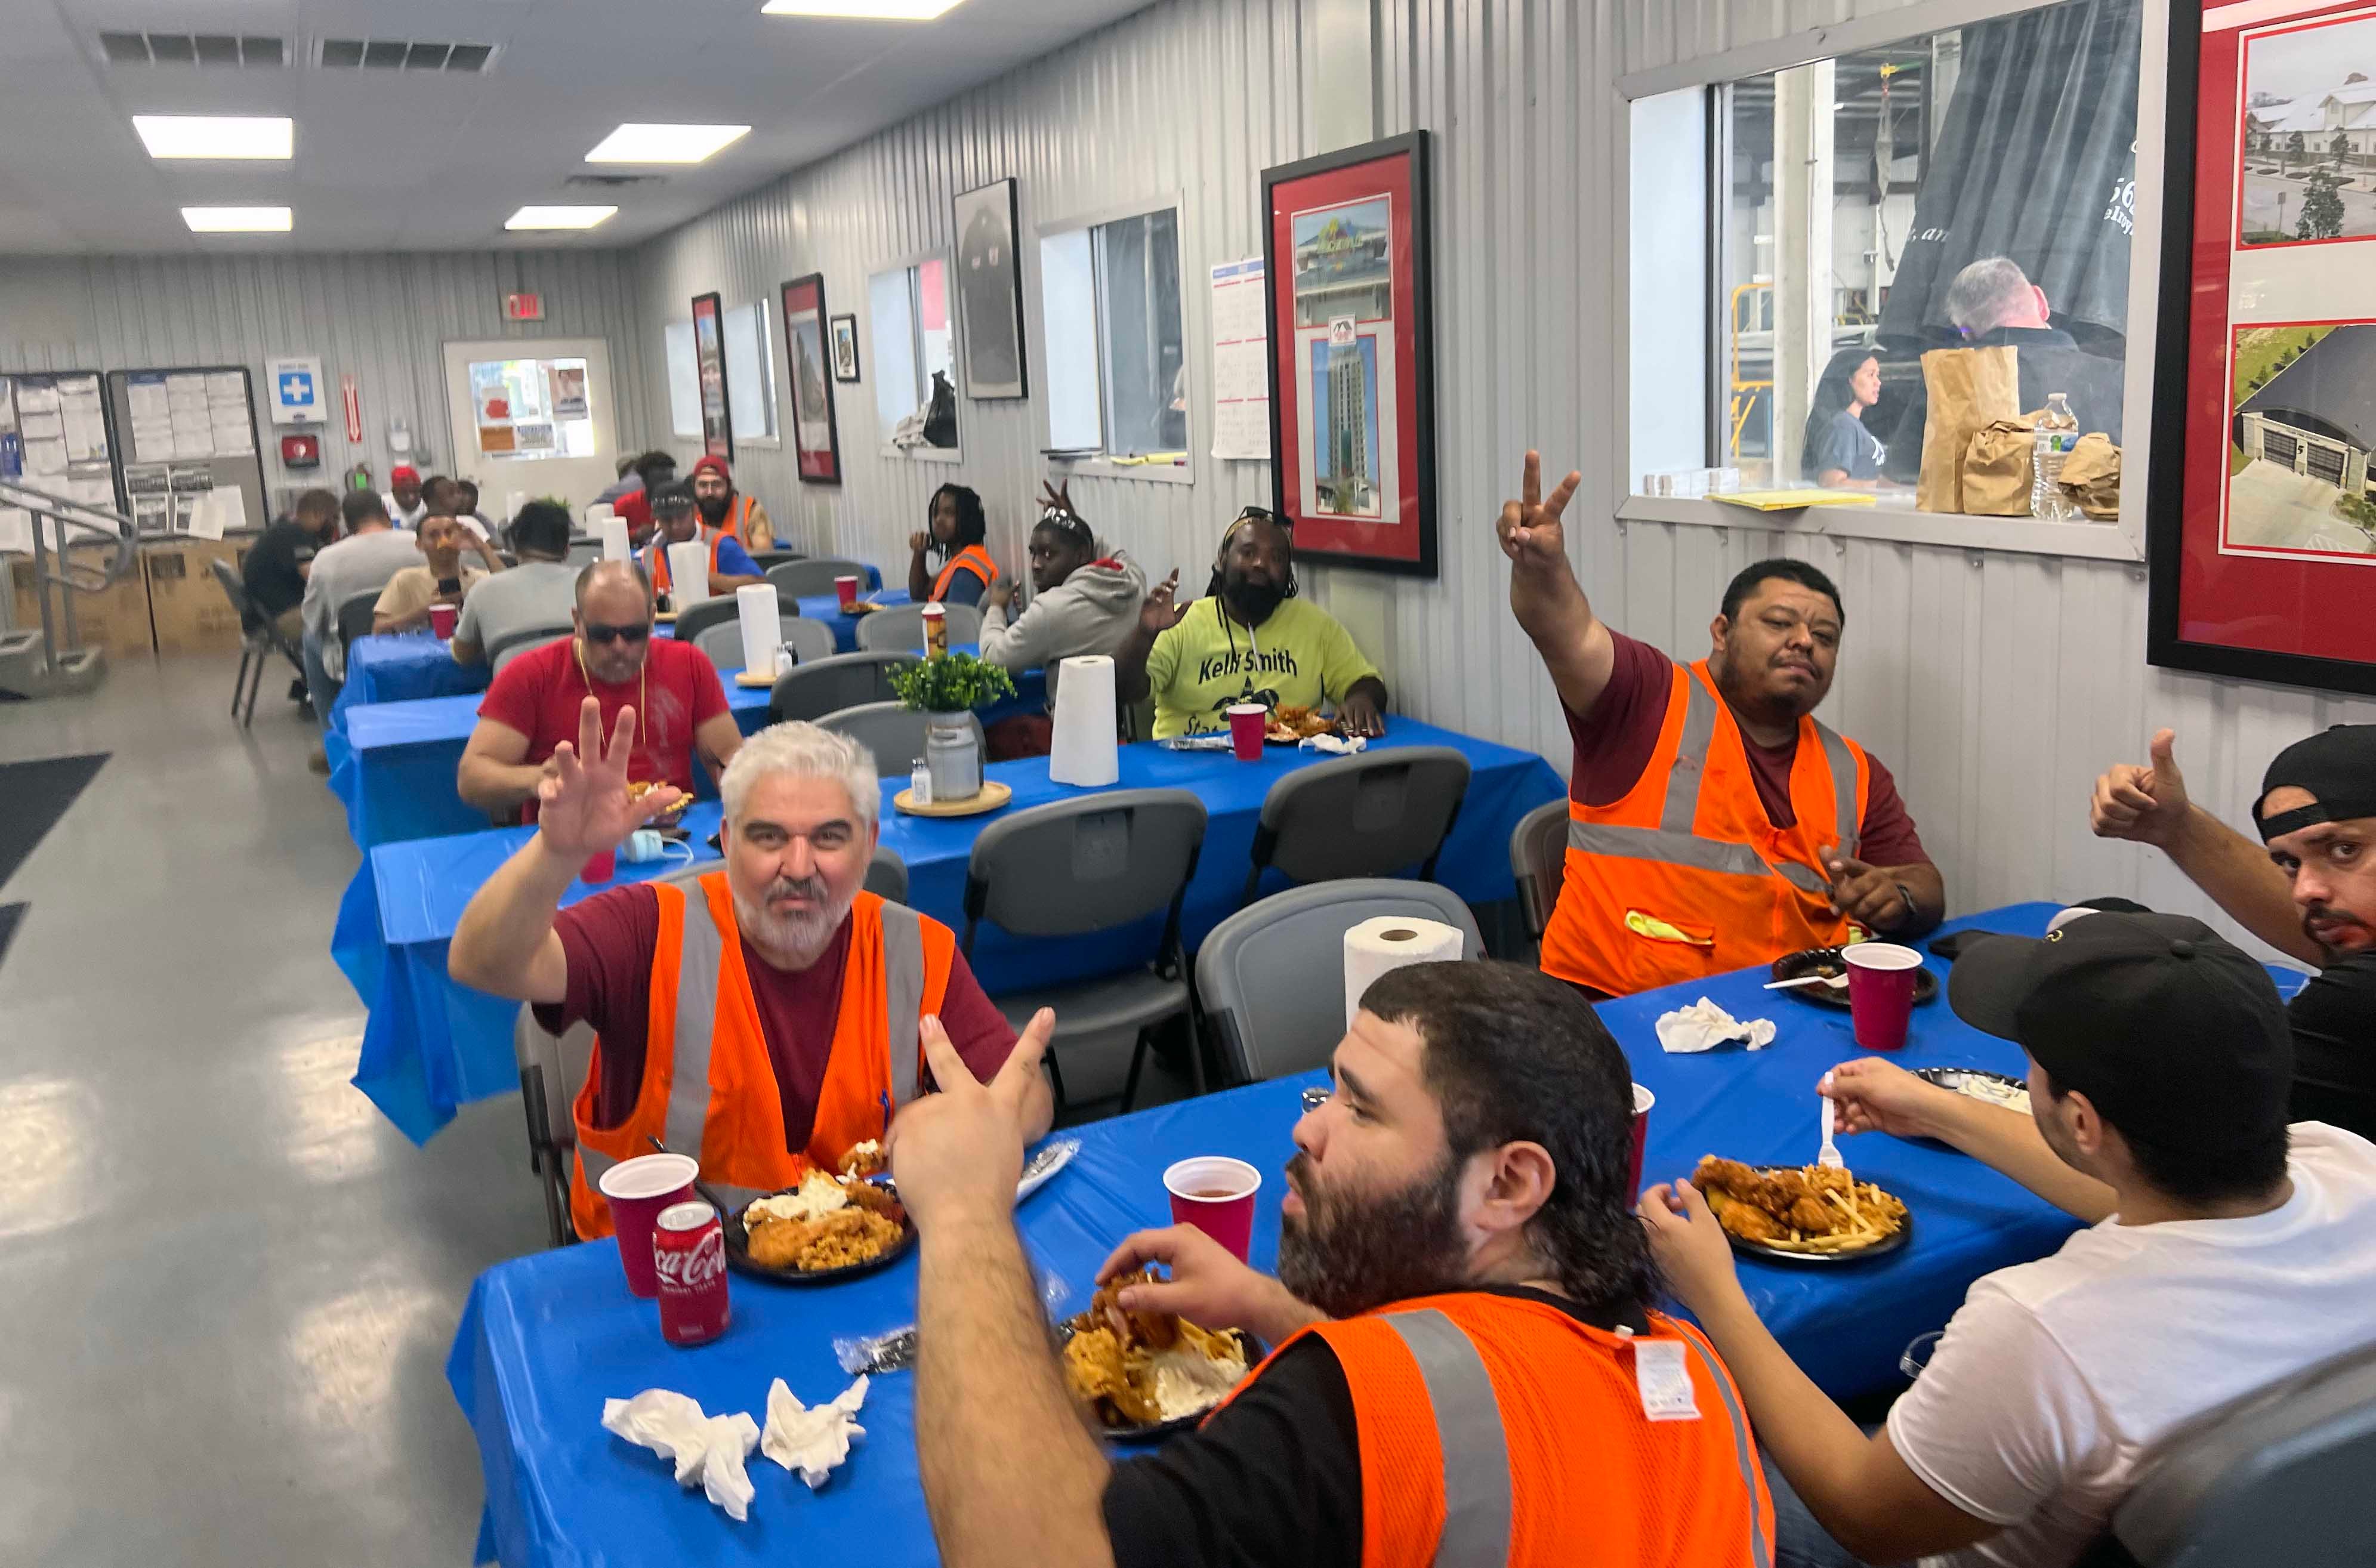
(2262, 536)
(1346, 265)
(709, 359)
(816, 437)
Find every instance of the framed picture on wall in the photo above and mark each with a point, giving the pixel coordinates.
(1353, 355)
(710, 361)
(2261, 523)
(989, 294)
(815, 436)
(844, 347)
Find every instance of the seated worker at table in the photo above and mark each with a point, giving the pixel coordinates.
(2308, 889)
(372, 552)
(442, 578)
(2225, 1253)
(1841, 453)
(799, 997)
(954, 525)
(403, 503)
(677, 520)
(531, 709)
(541, 591)
(655, 467)
(465, 509)
(1085, 601)
(275, 571)
(1462, 1302)
(1714, 823)
(728, 510)
(1249, 639)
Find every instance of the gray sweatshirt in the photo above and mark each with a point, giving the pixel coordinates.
(1090, 612)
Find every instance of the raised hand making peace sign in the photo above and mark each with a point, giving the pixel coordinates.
(583, 806)
(1532, 532)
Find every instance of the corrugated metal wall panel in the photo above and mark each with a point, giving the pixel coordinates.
(381, 318)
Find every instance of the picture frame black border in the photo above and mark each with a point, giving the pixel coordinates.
(857, 365)
(1014, 278)
(717, 305)
(1418, 149)
(2166, 488)
(793, 377)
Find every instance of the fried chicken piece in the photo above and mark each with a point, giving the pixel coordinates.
(1810, 1216)
(1730, 1176)
(777, 1243)
(1110, 1379)
(1745, 1220)
(1152, 1331)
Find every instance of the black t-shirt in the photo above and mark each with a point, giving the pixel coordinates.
(1273, 1480)
(2335, 1047)
(273, 582)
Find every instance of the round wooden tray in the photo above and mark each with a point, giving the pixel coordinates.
(754, 679)
(994, 795)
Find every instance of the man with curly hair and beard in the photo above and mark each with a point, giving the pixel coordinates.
(1467, 1369)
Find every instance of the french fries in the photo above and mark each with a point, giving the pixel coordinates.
(1775, 1208)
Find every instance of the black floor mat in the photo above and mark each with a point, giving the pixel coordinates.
(33, 796)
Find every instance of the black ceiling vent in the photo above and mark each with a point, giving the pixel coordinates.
(611, 182)
(404, 55)
(214, 49)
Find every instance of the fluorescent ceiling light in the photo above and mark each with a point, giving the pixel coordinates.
(217, 135)
(863, 10)
(237, 220)
(664, 144)
(558, 217)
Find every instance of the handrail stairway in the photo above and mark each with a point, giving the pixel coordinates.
(53, 661)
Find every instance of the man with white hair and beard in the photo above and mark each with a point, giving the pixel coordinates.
(797, 997)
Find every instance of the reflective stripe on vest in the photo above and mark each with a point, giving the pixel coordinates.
(903, 997)
(1470, 1435)
(1760, 1550)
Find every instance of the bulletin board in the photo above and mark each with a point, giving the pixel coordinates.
(183, 433)
(54, 435)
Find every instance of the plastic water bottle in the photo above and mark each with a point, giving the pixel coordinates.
(2057, 432)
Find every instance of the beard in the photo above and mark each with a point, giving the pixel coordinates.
(802, 935)
(2339, 933)
(713, 508)
(1349, 1252)
(1252, 603)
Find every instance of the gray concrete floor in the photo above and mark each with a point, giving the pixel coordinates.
(227, 1286)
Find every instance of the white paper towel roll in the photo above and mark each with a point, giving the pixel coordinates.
(1082, 748)
(688, 574)
(1387, 942)
(614, 538)
(754, 603)
(600, 510)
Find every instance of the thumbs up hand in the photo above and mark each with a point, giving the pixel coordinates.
(2145, 804)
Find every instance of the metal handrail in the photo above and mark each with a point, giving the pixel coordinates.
(69, 514)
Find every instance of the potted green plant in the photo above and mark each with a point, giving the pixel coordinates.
(945, 688)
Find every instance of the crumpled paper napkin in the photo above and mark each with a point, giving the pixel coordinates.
(1336, 745)
(1703, 1026)
(810, 1442)
(709, 1451)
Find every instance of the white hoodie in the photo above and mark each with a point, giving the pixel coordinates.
(1090, 612)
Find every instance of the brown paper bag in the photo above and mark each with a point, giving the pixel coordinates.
(2091, 477)
(1999, 467)
(1967, 388)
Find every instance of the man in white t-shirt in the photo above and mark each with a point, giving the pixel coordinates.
(2227, 1252)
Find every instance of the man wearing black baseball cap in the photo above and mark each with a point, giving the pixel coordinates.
(2309, 889)
(677, 520)
(2225, 1251)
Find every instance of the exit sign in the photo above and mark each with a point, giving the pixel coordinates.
(523, 307)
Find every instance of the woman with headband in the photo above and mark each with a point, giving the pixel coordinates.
(1085, 599)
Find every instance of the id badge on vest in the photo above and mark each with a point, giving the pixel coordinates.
(1665, 1381)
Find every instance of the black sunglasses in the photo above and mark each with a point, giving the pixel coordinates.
(597, 632)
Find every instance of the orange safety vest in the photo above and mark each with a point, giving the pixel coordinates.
(1686, 876)
(1501, 1431)
(656, 563)
(738, 512)
(707, 1084)
(972, 558)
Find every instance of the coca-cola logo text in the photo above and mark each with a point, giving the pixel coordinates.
(692, 1270)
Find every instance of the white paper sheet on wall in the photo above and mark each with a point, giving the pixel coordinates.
(1241, 363)
(15, 531)
(45, 459)
(36, 397)
(44, 427)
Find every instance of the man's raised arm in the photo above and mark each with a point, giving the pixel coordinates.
(1545, 596)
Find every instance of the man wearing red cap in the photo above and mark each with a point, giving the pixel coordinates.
(406, 505)
(736, 517)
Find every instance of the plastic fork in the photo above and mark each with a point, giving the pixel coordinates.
(1828, 1156)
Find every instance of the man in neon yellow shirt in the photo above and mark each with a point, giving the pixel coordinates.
(1249, 639)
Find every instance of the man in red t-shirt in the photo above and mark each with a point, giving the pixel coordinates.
(532, 706)
(1715, 824)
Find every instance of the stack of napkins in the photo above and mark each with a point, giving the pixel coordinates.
(1703, 1026)
(1334, 745)
(709, 1451)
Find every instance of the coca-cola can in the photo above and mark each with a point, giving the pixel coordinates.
(689, 1256)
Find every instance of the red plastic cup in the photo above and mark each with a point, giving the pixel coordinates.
(601, 868)
(636, 1191)
(1247, 720)
(442, 619)
(1216, 1194)
(845, 589)
(1643, 1101)
(1880, 991)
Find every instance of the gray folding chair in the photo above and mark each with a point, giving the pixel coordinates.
(2277, 1477)
(1539, 861)
(355, 616)
(259, 639)
(767, 560)
(894, 732)
(809, 640)
(500, 653)
(1367, 815)
(584, 552)
(1269, 977)
(694, 620)
(900, 629)
(796, 579)
(886, 875)
(833, 682)
(1097, 864)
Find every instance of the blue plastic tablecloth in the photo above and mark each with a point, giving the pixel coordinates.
(431, 1044)
(545, 1339)
(827, 608)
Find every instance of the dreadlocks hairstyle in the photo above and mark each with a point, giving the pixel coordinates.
(1220, 552)
(972, 525)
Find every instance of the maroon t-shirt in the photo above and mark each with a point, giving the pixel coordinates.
(539, 694)
(610, 938)
(1614, 741)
